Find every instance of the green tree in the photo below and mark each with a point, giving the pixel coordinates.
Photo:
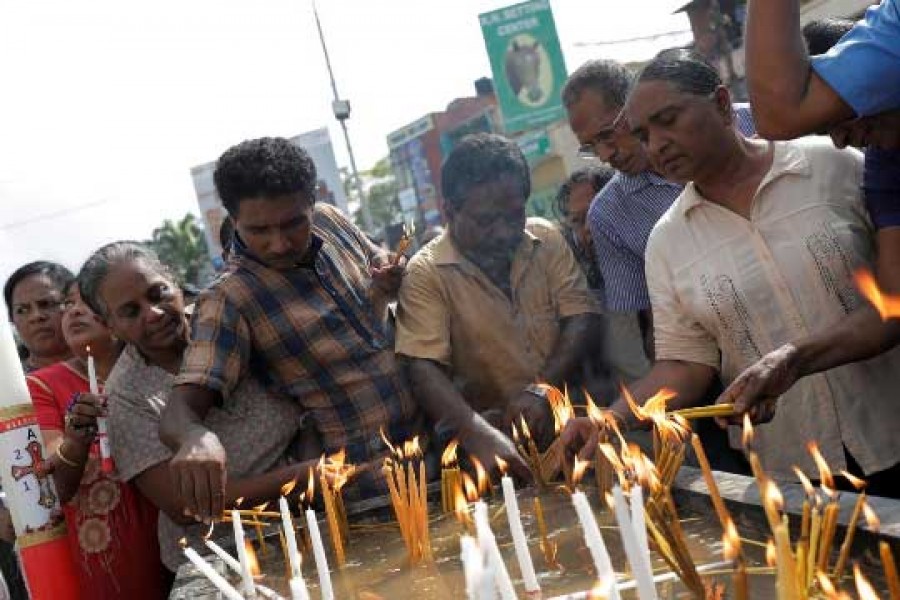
(182, 246)
(381, 194)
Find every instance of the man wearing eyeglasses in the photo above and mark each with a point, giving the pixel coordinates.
(624, 212)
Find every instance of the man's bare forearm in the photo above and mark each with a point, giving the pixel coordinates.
(184, 414)
(690, 382)
(437, 395)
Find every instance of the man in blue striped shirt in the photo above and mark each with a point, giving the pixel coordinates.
(624, 212)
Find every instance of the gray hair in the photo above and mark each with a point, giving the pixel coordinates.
(95, 270)
(610, 79)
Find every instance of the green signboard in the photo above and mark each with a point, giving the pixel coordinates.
(527, 63)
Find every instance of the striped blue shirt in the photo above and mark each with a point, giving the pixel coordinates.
(620, 219)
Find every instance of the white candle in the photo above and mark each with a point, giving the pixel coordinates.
(594, 541)
(102, 426)
(228, 559)
(210, 573)
(494, 559)
(248, 586)
(287, 525)
(319, 553)
(473, 566)
(518, 535)
(298, 589)
(638, 519)
(640, 562)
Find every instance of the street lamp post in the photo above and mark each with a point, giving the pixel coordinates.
(341, 109)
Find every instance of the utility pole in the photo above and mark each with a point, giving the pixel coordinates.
(341, 109)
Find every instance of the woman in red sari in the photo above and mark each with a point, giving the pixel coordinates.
(112, 528)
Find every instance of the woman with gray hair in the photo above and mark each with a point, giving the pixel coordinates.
(139, 300)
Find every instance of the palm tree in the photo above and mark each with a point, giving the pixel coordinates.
(182, 246)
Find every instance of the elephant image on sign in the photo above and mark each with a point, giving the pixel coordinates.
(524, 63)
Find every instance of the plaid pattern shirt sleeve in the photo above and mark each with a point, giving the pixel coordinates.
(219, 353)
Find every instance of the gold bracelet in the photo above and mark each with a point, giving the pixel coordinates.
(65, 460)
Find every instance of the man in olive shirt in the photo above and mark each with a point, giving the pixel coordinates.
(493, 305)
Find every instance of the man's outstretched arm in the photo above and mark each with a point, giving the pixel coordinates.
(788, 98)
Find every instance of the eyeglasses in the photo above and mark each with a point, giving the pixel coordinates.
(589, 151)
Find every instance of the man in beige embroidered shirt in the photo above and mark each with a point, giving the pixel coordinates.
(493, 305)
(759, 249)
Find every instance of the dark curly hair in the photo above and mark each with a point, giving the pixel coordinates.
(478, 159)
(610, 79)
(596, 175)
(264, 168)
(60, 276)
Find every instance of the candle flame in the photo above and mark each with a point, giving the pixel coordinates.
(484, 482)
(636, 409)
(460, 503)
(448, 458)
(261, 507)
(183, 542)
(598, 592)
(872, 520)
(88, 348)
(515, 432)
(826, 585)
(888, 306)
(394, 449)
(472, 494)
(311, 487)
(748, 432)
(288, 487)
(731, 541)
(807, 484)
(593, 411)
(825, 475)
(238, 502)
(610, 500)
(525, 431)
(857, 483)
(609, 452)
(252, 561)
(773, 496)
(863, 586)
(501, 464)
(580, 466)
(771, 553)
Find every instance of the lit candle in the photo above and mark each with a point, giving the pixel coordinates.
(518, 535)
(473, 565)
(106, 462)
(638, 519)
(298, 586)
(249, 588)
(640, 562)
(210, 573)
(494, 559)
(319, 553)
(844, 554)
(596, 546)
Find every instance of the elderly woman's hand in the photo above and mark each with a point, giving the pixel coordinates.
(198, 470)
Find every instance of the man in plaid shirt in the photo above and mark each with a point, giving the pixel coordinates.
(301, 308)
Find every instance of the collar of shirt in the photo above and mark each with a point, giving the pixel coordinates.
(446, 252)
(634, 184)
(242, 253)
(786, 159)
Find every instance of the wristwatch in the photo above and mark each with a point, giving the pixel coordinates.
(538, 390)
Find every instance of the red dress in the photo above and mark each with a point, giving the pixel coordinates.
(112, 527)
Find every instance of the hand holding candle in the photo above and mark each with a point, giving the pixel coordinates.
(106, 461)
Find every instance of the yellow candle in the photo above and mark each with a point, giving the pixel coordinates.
(890, 570)
(844, 555)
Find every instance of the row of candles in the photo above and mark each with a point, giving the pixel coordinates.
(624, 477)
